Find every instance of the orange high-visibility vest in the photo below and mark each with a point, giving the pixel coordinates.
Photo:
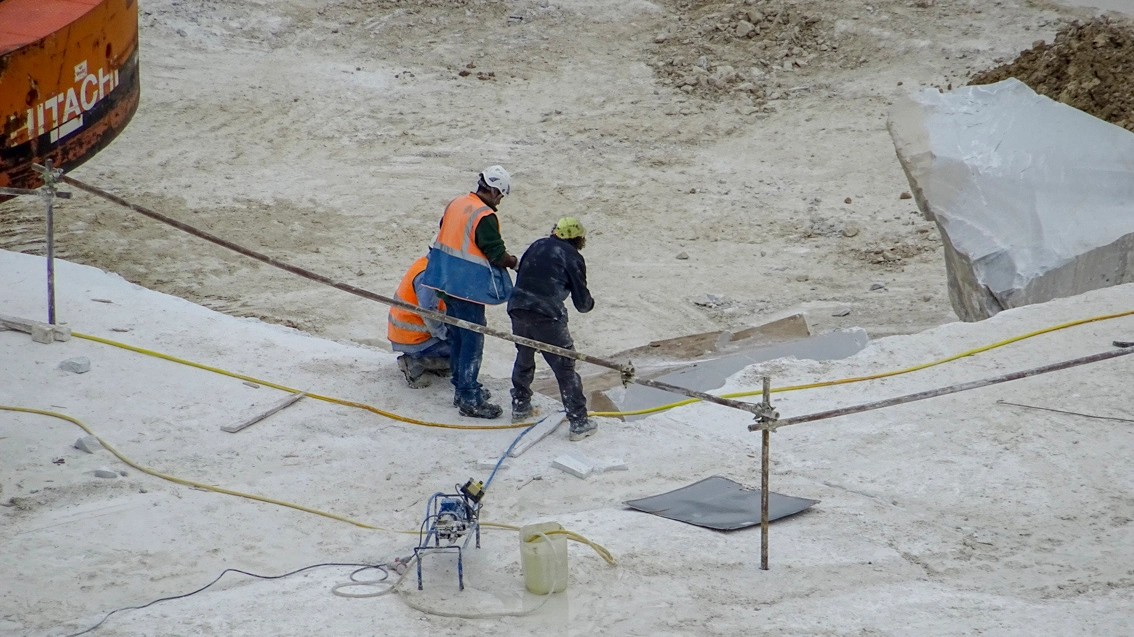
(458, 227)
(403, 326)
(457, 266)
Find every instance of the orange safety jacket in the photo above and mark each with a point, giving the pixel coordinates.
(457, 266)
(403, 326)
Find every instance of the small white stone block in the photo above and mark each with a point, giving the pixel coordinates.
(42, 333)
(79, 365)
(62, 334)
(612, 464)
(574, 463)
(88, 444)
(538, 432)
(105, 472)
(489, 464)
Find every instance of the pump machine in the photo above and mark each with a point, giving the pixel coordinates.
(450, 517)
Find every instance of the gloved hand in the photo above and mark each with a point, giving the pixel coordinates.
(510, 261)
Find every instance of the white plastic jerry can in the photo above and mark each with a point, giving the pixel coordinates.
(543, 558)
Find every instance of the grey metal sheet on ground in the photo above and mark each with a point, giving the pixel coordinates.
(719, 503)
(711, 374)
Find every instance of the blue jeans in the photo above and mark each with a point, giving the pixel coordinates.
(465, 350)
(439, 349)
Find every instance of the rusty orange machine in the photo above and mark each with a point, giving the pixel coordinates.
(68, 82)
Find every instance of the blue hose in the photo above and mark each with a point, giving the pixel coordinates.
(509, 450)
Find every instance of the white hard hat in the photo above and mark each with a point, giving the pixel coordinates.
(498, 178)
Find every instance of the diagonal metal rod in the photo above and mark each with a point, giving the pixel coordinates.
(346, 287)
(942, 391)
(16, 192)
(1062, 411)
(626, 369)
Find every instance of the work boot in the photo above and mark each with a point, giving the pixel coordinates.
(484, 395)
(483, 410)
(583, 429)
(436, 366)
(414, 372)
(522, 410)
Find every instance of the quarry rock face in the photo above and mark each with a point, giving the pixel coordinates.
(1033, 198)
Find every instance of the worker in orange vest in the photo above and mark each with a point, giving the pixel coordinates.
(423, 341)
(467, 268)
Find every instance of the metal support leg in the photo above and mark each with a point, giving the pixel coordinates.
(764, 475)
(48, 192)
(764, 503)
(50, 256)
(419, 556)
(460, 569)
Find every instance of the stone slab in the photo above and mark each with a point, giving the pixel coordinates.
(574, 463)
(1034, 199)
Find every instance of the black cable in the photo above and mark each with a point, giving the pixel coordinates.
(234, 570)
(1060, 411)
(380, 567)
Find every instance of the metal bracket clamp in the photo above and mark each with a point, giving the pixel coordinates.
(51, 176)
(627, 373)
(766, 418)
(766, 415)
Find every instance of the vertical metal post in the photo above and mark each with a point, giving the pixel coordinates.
(49, 197)
(764, 471)
(48, 192)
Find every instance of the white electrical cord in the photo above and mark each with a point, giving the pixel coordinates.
(408, 597)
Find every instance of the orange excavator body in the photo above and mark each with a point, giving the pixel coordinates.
(68, 82)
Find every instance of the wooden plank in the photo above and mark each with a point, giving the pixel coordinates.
(539, 432)
(283, 404)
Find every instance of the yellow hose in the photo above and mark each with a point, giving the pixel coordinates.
(329, 399)
(613, 414)
(603, 552)
(571, 535)
(857, 379)
(191, 483)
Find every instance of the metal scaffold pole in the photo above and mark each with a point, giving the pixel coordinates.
(1125, 348)
(766, 417)
(625, 369)
(48, 193)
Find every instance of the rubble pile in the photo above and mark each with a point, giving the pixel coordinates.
(1090, 66)
(717, 48)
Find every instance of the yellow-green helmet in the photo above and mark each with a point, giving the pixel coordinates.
(569, 228)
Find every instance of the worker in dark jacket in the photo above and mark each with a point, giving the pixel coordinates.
(550, 270)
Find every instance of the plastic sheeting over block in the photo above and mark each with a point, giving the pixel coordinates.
(1034, 199)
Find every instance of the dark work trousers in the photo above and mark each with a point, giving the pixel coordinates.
(548, 330)
(465, 350)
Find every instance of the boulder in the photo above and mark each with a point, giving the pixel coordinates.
(1034, 199)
